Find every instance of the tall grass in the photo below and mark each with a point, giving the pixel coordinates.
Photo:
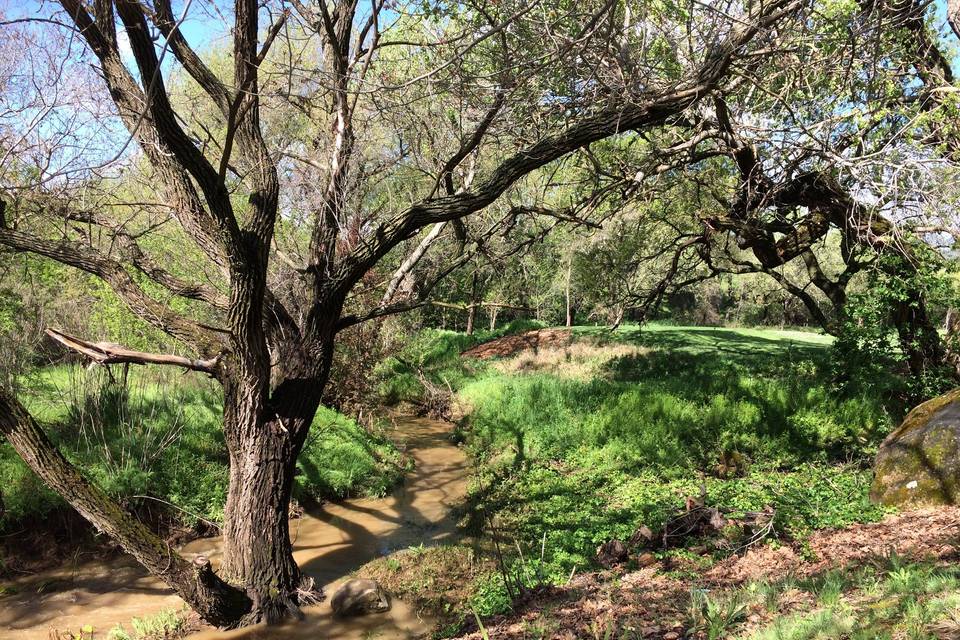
(156, 437)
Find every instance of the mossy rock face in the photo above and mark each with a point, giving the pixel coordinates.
(919, 463)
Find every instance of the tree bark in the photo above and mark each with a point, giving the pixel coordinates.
(264, 439)
(472, 309)
(919, 339)
(216, 601)
(257, 550)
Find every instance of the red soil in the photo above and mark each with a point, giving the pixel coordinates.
(509, 345)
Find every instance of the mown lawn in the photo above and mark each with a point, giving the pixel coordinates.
(158, 440)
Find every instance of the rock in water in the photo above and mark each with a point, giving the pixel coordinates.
(360, 597)
(919, 463)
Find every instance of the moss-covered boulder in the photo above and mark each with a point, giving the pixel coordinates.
(919, 463)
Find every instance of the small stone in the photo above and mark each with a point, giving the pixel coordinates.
(673, 635)
(360, 597)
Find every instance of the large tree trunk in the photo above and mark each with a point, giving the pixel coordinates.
(264, 439)
(257, 552)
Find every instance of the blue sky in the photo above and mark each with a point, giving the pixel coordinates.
(202, 27)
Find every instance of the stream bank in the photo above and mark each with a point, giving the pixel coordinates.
(330, 542)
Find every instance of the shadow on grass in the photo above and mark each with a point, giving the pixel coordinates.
(586, 461)
(742, 348)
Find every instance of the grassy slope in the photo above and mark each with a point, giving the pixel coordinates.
(581, 446)
(587, 459)
(163, 439)
(584, 444)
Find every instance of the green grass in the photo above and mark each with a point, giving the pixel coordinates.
(435, 353)
(162, 438)
(164, 624)
(914, 600)
(585, 460)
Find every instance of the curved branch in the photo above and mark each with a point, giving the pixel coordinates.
(113, 273)
(216, 601)
(650, 109)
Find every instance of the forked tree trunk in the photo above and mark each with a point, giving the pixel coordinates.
(264, 439)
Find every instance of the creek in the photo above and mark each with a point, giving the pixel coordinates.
(330, 542)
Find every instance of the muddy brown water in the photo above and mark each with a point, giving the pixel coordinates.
(329, 543)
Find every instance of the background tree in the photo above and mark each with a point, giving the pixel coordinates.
(823, 168)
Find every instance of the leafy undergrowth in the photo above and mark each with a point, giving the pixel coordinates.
(889, 580)
(584, 440)
(577, 444)
(156, 443)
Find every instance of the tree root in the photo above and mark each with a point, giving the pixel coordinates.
(279, 607)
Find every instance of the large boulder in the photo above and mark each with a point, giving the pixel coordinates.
(360, 597)
(919, 463)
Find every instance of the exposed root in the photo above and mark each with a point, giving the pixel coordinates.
(279, 607)
(309, 593)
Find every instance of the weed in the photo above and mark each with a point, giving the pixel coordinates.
(164, 624)
(714, 618)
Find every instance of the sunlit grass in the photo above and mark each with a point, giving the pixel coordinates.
(914, 600)
(161, 437)
(588, 441)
